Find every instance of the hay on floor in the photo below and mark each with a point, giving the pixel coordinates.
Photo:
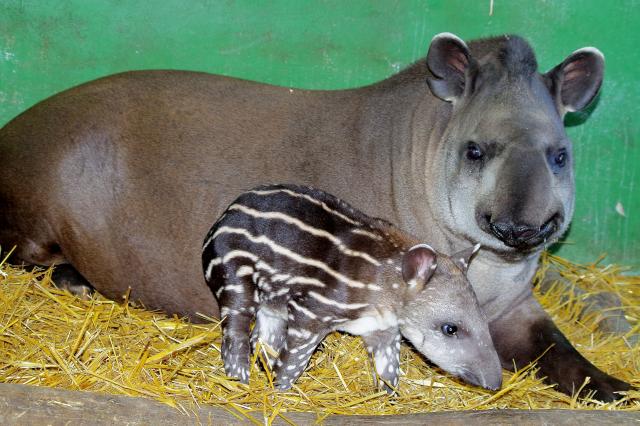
(50, 338)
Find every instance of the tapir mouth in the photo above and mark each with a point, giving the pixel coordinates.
(522, 237)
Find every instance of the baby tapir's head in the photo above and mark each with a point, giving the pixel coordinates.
(441, 316)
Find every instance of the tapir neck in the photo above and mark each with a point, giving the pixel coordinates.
(415, 141)
(487, 271)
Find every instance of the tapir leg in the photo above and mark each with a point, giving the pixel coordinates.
(235, 345)
(238, 309)
(384, 347)
(526, 332)
(301, 344)
(41, 249)
(271, 327)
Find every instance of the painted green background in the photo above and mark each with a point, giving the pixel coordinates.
(48, 46)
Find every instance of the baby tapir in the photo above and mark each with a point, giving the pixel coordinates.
(304, 263)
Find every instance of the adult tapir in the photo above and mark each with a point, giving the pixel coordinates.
(120, 178)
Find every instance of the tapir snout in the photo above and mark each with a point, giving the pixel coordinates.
(520, 235)
(524, 211)
(488, 377)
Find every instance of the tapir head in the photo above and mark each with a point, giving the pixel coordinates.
(505, 159)
(442, 318)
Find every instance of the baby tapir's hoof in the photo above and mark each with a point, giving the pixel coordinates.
(236, 359)
(237, 372)
(384, 348)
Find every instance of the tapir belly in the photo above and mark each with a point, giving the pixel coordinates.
(112, 179)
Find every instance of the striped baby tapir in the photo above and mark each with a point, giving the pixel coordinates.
(304, 263)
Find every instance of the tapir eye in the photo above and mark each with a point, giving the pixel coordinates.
(561, 158)
(474, 153)
(449, 329)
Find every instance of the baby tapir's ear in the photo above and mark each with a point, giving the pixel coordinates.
(418, 265)
(463, 258)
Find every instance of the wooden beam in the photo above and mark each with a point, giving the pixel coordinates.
(33, 405)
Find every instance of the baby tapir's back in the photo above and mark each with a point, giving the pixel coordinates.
(296, 234)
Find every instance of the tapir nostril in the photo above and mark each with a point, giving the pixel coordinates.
(502, 230)
(524, 233)
(514, 235)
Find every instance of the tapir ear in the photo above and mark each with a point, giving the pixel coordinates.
(448, 61)
(418, 265)
(463, 258)
(576, 81)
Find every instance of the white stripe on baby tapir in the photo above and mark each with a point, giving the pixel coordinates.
(279, 293)
(320, 298)
(306, 228)
(312, 200)
(280, 277)
(244, 271)
(302, 309)
(227, 257)
(261, 239)
(305, 281)
(265, 267)
(371, 235)
(237, 288)
(303, 333)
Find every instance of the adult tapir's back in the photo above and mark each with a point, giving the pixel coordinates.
(120, 176)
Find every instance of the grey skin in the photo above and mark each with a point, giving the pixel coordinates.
(117, 178)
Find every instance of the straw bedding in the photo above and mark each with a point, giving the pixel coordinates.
(50, 338)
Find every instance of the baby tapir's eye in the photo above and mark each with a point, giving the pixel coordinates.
(449, 329)
(474, 152)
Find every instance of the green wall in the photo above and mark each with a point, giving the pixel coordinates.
(48, 46)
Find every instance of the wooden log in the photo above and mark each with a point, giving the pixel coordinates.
(33, 405)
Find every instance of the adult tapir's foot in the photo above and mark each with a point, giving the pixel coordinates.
(526, 333)
(67, 278)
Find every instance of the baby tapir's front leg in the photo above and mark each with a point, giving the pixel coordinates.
(304, 333)
(384, 347)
